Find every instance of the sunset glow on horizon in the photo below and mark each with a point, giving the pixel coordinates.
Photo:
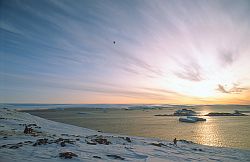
(165, 52)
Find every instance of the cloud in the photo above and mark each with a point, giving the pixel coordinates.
(227, 57)
(26, 83)
(161, 91)
(191, 72)
(234, 90)
(132, 64)
(237, 90)
(221, 89)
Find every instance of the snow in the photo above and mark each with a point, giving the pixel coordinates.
(84, 144)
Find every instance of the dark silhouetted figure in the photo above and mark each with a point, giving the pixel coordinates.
(26, 130)
(114, 42)
(175, 141)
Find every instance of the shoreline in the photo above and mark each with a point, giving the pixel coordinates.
(110, 133)
(116, 147)
(136, 122)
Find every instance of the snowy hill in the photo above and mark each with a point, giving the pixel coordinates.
(53, 142)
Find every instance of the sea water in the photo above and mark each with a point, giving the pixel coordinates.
(221, 131)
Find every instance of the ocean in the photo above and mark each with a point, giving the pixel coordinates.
(140, 120)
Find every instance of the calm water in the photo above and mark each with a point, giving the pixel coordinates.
(216, 131)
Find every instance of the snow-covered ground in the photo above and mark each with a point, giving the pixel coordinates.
(48, 140)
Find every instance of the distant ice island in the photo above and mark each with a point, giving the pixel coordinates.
(186, 112)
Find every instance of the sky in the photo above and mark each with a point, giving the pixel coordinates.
(125, 51)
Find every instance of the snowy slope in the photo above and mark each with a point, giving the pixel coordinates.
(90, 145)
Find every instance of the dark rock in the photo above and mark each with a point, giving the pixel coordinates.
(28, 142)
(225, 114)
(42, 141)
(101, 141)
(51, 141)
(64, 141)
(28, 130)
(128, 139)
(157, 144)
(90, 143)
(186, 141)
(128, 147)
(98, 157)
(196, 149)
(67, 155)
(116, 157)
(14, 147)
(68, 141)
(30, 125)
(59, 140)
(34, 135)
(63, 144)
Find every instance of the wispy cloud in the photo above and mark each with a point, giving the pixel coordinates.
(191, 72)
(233, 90)
(228, 57)
(222, 89)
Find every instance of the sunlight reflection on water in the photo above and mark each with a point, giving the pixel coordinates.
(207, 133)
